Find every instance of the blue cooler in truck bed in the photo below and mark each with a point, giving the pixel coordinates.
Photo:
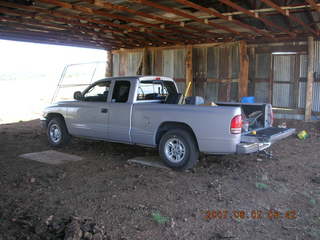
(248, 99)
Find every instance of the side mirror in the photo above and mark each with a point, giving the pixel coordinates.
(78, 95)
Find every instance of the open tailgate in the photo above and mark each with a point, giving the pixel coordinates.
(262, 139)
(270, 134)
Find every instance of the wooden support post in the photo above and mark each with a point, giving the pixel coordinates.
(189, 73)
(109, 64)
(244, 70)
(309, 88)
(145, 63)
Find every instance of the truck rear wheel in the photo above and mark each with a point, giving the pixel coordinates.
(178, 149)
(57, 132)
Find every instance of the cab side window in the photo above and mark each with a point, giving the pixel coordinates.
(98, 92)
(121, 91)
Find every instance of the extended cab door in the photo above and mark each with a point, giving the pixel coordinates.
(89, 117)
(119, 109)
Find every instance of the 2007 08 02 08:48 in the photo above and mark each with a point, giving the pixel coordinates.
(254, 214)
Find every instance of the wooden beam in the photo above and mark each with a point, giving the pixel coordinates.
(189, 72)
(244, 70)
(257, 16)
(291, 17)
(219, 15)
(120, 8)
(310, 79)
(17, 27)
(109, 70)
(67, 16)
(314, 5)
(91, 11)
(69, 26)
(189, 16)
(38, 38)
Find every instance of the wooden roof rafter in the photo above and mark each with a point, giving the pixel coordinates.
(314, 5)
(290, 16)
(67, 17)
(31, 28)
(189, 16)
(221, 16)
(21, 29)
(139, 38)
(162, 20)
(128, 28)
(257, 16)
(45, 22)
(48, 39)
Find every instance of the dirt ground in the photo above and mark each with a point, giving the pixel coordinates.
(249, 197)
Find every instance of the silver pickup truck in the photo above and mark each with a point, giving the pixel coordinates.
(149, 111)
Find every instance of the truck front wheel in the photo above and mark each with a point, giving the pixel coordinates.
(178, 149)
(57, 132)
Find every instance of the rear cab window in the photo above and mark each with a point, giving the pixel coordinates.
(155, 90)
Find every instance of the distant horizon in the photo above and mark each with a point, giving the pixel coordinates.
(36, 59)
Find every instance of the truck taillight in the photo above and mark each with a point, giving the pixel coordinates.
(236, 124)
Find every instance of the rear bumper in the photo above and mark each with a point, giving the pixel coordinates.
(244, 148)
(255, 144)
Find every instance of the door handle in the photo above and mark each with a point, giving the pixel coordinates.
(104, 110)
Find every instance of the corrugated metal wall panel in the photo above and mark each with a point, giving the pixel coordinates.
(303, 66)
(262, 65)
(316, 97)
(288, 116)
(181, 86)
(234, 92)
(180, 63)
(281, 95)
(213, 62)
(158, 63)
(168, 63)
(133, 61)
(212, 92)
(283, 67)
(302, 95)
(224, 63)
(261, 91)
(199, 58)
(317, 60)
(235, 60)
(115, 64)
(123, 64)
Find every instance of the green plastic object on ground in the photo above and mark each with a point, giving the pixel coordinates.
(302, 135)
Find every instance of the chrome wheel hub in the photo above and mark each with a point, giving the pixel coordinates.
(175, 150)
(55, 133)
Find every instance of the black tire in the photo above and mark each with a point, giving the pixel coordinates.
(191, 153)
(58, 124)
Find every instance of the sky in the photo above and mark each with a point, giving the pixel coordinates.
(43, 58)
